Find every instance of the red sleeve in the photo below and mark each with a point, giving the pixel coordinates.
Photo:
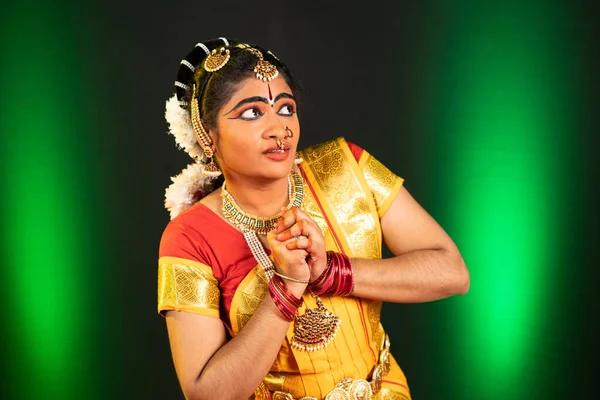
(180, 240)
(356, 150)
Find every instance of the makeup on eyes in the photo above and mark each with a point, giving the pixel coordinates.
(260, 99)
(260, 109)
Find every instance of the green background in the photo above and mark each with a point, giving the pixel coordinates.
(487, 110)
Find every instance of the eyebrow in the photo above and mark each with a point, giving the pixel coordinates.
(254, 99)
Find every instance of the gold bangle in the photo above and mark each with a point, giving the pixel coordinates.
(289, 278)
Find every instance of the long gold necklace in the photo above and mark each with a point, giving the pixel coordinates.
(261, 225)
(317, 327)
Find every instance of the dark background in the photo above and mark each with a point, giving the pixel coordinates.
(84, 87)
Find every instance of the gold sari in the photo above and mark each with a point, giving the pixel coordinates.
(346, 198)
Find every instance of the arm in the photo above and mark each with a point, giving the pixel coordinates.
(209, 367)
(427, 265)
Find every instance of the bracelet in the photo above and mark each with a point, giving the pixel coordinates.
(323, 277)
(289, 278)
(338, 276)
(284, 300)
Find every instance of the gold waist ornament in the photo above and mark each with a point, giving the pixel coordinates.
(346, 388)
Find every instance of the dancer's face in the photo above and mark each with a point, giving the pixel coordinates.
(249, 126)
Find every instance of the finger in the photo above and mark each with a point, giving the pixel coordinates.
(281, 251)
(303, 227)
(301, 242)
(289, 218)
(284, 222)
(315, 249)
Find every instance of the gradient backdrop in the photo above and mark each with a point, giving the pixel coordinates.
(488, 112)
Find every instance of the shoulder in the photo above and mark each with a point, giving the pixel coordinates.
(185, 235)
(339, 142)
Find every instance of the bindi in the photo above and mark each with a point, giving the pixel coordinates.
(271, 101)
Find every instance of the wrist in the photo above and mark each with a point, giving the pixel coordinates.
(337, 278)
(297, 289)
(287, 301)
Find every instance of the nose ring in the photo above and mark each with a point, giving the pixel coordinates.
(289, 133)
(280, 144)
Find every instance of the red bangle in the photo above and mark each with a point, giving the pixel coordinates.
(284, 300)
(323, 277)
(338, 276)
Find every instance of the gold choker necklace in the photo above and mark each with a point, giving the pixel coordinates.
(261, 225)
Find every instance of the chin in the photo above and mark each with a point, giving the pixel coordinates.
(277, 171)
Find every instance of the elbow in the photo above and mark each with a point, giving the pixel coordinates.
(193, 391)
(457, 280)
(463, 278)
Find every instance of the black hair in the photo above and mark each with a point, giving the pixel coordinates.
(214, 89)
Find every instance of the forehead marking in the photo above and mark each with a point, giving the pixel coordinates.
(271, 102)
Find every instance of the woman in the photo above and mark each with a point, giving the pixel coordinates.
(270, 271)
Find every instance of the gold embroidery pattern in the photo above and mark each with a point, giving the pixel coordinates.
(381, 180)
(374, 315)
(355, 391)
(346, 197)
(183, 285)
(251, 297)
(311, 207)
(388, 394)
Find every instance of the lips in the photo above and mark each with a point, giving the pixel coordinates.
(276, 154)
(276, 149)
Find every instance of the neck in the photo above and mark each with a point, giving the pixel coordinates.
(263, 198)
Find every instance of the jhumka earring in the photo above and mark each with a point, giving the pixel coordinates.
(211, 169)
(298, 159)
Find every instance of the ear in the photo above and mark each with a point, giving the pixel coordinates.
(214, 138)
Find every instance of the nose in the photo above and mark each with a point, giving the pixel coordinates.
(275, 128)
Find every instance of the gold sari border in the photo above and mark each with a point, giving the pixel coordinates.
(187, 285)
(185, 261)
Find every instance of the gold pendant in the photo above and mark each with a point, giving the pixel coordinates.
(316, 328)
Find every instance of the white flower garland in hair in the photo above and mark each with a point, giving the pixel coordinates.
(187, 188)
(190, 185)
(180, 126)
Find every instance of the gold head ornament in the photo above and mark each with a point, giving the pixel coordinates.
(263, 70)
(217, 59)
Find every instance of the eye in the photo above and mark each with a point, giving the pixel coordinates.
(250, 114)
(286, 109)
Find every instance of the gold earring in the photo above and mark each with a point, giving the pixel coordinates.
(211, 169)
(298, 159)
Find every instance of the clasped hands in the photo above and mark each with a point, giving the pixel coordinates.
(298, 247)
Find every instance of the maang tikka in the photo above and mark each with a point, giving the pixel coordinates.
(211, 169)
(263, 70)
